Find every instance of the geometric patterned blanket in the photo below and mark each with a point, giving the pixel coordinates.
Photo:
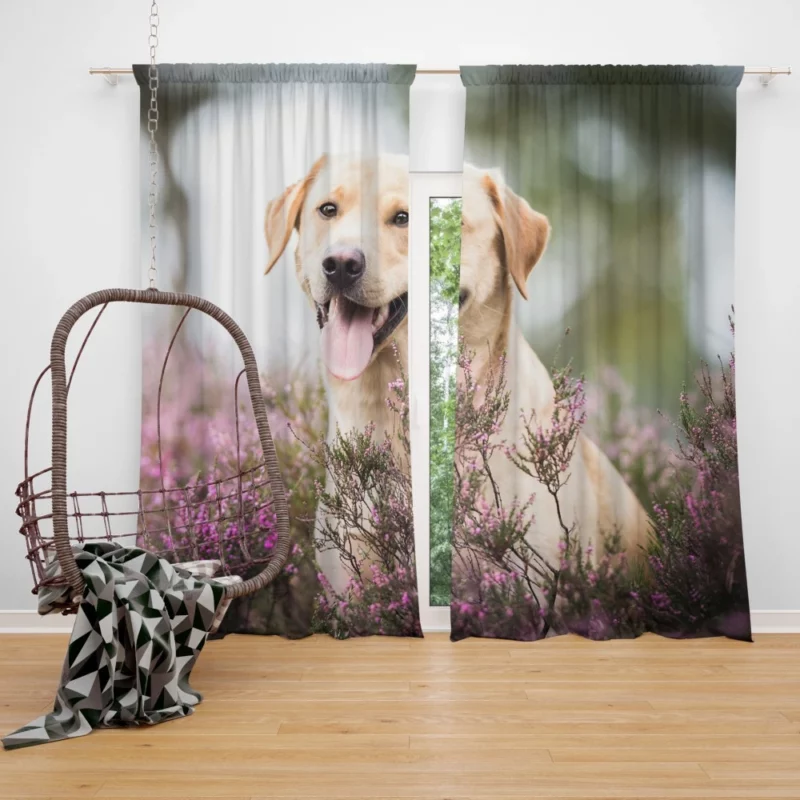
(137, 635)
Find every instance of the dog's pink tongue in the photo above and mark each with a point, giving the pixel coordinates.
(347, 339)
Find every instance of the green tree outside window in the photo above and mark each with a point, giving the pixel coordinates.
(445, 256)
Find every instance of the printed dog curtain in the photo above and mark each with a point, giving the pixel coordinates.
(285, 201)
(596, 486)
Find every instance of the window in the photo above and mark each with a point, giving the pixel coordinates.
(444, 252)
(433, 341)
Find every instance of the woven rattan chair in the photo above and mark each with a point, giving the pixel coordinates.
(161, 519)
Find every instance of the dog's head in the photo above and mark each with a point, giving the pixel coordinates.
(351, 217)
(502, 239)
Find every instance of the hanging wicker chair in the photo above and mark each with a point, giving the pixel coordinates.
(161, 520)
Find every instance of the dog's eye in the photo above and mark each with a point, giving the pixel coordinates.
(328, 210)
(400, 219)
(463, 295)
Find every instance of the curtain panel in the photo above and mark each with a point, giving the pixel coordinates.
(596, 487)
(284, 200)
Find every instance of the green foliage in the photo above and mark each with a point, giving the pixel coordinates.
(365, 517)
(445, 251)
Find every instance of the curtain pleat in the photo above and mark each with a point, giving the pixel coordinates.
(400, 75)
(559, 75)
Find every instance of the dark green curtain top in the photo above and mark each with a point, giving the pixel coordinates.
(402, 74)
(697, 75)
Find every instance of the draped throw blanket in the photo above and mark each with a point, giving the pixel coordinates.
(595, 447)
(137, 636)
(284, 200)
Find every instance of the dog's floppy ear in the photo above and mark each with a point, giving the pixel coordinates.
(525, 231)
(283, 214)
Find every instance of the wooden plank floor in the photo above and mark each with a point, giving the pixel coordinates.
(399, 718)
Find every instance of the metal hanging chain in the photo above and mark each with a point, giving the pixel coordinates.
(152, 127)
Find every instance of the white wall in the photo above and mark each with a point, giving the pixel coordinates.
(69, 197)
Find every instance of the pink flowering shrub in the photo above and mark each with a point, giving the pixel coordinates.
(365, 507)
(694, 583)
(364, 515)
(697, 558)
(502, 586)
(376, 602)
(548, 445)
(217, 519)
(634, 439)
(497, 575)
(599, 598)
(220, 520)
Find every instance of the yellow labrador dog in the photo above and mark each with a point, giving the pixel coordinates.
(350, 215)
(502, 239)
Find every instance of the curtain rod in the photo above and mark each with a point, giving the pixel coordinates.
(770, 71)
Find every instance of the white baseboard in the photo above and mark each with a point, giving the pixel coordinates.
(31, 622)
(783, 621)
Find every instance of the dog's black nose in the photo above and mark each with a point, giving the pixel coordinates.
(344, 266)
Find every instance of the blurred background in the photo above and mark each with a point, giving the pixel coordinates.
(638, 185)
